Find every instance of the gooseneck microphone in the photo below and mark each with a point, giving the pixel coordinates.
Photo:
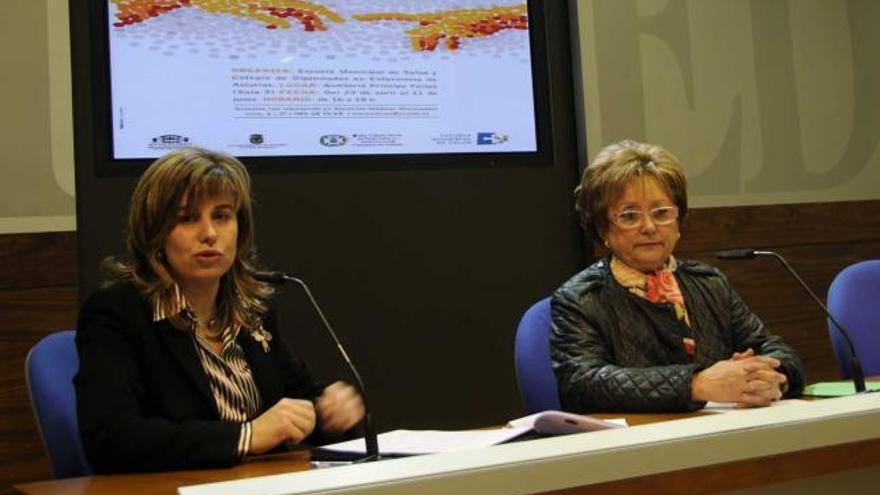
(858, 375)
(372, 441)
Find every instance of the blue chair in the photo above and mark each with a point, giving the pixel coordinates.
(534, 374)
(854, 299)
(49, 370)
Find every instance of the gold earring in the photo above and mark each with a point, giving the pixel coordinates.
(605, 241)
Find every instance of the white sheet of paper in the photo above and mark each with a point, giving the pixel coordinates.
(413, 442)
(725, 407)
(530, 421)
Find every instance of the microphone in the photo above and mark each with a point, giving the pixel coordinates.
(858, 375)
(737, 254)
(370, 438)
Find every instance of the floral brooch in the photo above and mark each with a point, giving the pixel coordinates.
(262, 336)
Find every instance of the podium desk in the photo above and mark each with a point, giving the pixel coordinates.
(664, 453)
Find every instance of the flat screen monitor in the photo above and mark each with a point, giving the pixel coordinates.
(324, 83)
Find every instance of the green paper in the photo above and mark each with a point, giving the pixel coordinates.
(837, 389)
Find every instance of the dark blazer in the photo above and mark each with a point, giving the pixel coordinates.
(143, 399)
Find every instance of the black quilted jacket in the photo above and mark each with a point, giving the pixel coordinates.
(614, 351)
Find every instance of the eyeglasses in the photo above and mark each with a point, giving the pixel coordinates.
(630, 219)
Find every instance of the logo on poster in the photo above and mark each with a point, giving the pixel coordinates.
(333, 140)
(168, 141)
(257, 141)
(490, 138)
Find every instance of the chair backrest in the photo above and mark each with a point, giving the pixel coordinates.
(854, 299)
(534, 374)
(49, 370)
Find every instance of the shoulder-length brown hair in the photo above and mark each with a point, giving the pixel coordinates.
(612, 168)
(193, 175)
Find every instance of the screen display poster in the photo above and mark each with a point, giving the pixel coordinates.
(331, 77)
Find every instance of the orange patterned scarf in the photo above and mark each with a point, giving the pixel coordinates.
(658, 287)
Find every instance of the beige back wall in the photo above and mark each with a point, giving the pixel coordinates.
(36, 136)
(765, 101)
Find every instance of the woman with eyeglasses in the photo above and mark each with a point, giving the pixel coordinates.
(640, 330)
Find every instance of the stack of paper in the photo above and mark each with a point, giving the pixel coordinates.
(415, 442)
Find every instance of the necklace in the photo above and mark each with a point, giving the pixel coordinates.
(206, 332)
(205, 329)
(213, 337)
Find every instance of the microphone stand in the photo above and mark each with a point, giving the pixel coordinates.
(858, 376)
(370, 437)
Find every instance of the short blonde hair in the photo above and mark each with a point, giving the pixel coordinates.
(193, 175)
(604, 179)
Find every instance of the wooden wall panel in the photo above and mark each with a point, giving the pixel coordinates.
(784, 306)
(38, 260)
(817, 239)
(711, 229)
(38, 296)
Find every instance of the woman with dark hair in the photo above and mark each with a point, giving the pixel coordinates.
(641, 330)
(181, 363)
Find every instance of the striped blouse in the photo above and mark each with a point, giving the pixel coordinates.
(229, 376)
